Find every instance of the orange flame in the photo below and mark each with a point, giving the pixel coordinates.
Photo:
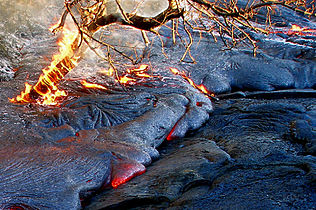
(23, 96)
(298, 30)
(126, 80)
(140, 71)
(108, 72)
(92, 85)
(45, 91)
(200, 87)
(132, 75)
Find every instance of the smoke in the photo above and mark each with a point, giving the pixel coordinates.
(22, 22)
(24, 25)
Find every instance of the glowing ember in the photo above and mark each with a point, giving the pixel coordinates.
(200, 87)
(45, 91)
(92, 85)
(55, 28)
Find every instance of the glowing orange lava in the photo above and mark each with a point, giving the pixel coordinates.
(45, 91)
(125, 171)
(200, 87)
(92, 85)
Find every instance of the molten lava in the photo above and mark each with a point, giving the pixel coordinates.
(125, 170)
(200, 87)
(45, 91)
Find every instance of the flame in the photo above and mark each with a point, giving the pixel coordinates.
(108, 72)
(298, 30)
(45, 91)
(175, 71)
(133, 75)
(23, 96)
(126, 80)
(92, 85)
(200, 87)
(140, 71)
(55, 27)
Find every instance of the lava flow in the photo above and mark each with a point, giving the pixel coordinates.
(45, 91)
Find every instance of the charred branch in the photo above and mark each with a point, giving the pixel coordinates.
(228, 18)
(139, 22)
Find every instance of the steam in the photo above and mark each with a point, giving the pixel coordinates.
(21, 23)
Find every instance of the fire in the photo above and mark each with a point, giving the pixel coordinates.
(132, 76)
(55, 28)
(108, 72)
(298, 30)
(200, 87)
(140, 71)
(126, 80)
(92, 85)
(22, 97)
(45, 91)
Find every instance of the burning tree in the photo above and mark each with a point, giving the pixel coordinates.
(230, 20)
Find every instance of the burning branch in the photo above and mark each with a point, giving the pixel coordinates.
(228, 18)
(45, 91)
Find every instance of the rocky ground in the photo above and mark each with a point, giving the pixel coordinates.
(253, 148)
